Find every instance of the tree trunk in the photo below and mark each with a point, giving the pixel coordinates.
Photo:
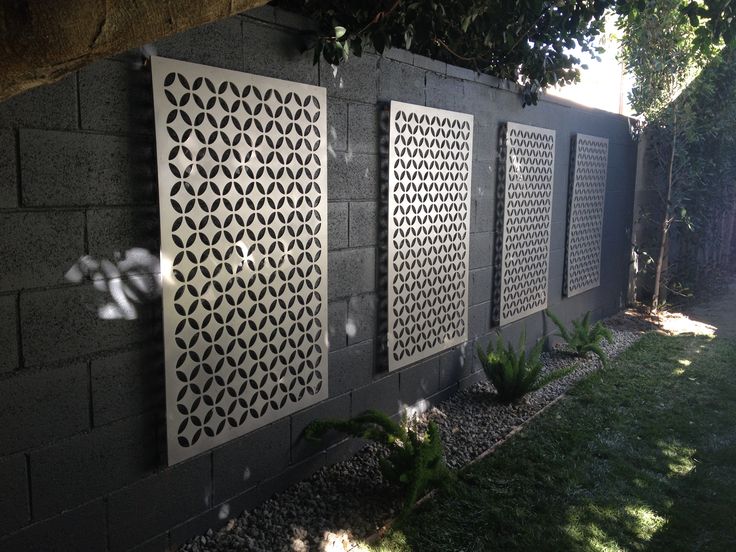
(666, 221)
(43, 40)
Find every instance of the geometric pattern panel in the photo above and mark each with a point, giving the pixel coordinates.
(585, 213)
(242, 193)
(523, 265)
(430, 159)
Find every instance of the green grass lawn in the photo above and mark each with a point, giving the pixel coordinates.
(641, 456)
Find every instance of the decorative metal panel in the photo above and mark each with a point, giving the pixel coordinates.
(526, 217)
(242, 192)
(430, 160)
(585, 214)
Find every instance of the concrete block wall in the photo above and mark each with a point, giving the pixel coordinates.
(81, 374)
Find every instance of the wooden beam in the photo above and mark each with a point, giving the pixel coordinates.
(43, 40)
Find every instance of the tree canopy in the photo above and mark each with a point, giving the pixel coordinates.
(526, 41)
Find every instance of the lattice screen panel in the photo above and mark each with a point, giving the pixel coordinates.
(585, 214)
(430, 159)
(525, 216)
(242, 191)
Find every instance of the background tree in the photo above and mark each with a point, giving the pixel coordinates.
(664, 52)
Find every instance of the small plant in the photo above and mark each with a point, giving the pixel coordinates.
(583, 338)
(415, 461)
(515, 374)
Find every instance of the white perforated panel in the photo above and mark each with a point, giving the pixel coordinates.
(242, 192)
(585, 214)
(430, 159)
(525, 212)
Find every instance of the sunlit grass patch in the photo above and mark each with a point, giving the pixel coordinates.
(640, 457)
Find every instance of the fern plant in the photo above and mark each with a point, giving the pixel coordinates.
(415, 460)
(514, 374)
(583, 338)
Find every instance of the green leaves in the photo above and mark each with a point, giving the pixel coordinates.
(514, 374)
(514, 40)
(583, 338)
(415, 460)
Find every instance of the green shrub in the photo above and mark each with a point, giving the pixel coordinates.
(583, 338)
(515, 374)
(415, 461)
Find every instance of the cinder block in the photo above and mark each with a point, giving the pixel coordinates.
(351, 367)
(470, 380)
(460, 72)
(343, 450)
(399, 54)
(363, 128)
(337, 322)
(481, 100)
(554, 291)
(557, 237)
(86, 466)
(275, 53)
(214, 519)
(337, 126)
(352, 176)
(363, 223)
(153, 505)
(48, 106)
(294, 20)
(430, 64)
(159, 543)
(8, 333)
(15, 510)
(352, 271)
(264, 13)
(331, 409)
(116, 230)
(354, 80)
(382, 395)
(71, 168)
(8, 169)
(218, 44)
(479, 320)
(58, 324)
(556, 263)
(259, 455)
(480, 249)
(39, 247)
(442, 395)
(79, 529)
(337, 222)
(455, 364)
(291, 476)
(482, 215)
(444, 92)
(481, 283)
(51, 404)
(484, 180)
(485, 141)
(361, 321)
(126, 384)
(420, 381)
(401, 82)
(115, 96)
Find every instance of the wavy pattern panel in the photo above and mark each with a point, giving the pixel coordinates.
(430, 160)
(242, 192)
(525, 211)
(585, 213)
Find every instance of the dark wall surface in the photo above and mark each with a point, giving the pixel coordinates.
(82, 455)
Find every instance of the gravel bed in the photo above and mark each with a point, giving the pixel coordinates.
(342, 504)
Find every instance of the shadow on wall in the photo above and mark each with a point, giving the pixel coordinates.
(124, 283)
